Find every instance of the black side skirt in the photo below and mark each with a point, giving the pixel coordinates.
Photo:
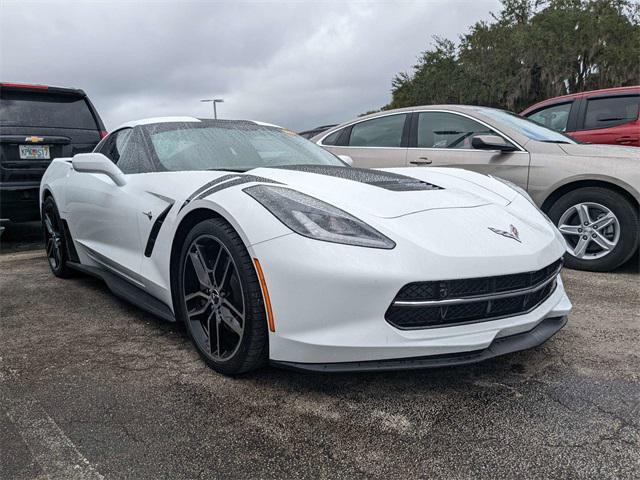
(127, 291)
(501, 346)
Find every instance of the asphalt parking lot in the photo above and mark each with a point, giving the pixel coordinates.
(91, 387)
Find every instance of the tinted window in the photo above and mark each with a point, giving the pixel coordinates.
(606, 112)
(115, 144)
(554, 117)
(134, 154)
(39, 109)
(378, 132)
(332, 139)
(232, 145)
(447, 130)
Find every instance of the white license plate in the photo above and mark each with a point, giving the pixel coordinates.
(34, 152)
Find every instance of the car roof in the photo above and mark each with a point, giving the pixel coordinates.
(477, 112)
(602, 91)
(181, 119)
(36, 87)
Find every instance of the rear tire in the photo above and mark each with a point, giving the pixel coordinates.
(54, 240)
(600, 227)
(219, 299)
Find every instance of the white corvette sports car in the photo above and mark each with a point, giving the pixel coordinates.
(269, 248)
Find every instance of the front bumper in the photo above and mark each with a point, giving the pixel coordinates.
(329, 300)
(501, 346)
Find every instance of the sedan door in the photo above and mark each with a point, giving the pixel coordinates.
(443, 139)
(610, 119)
(373, 143)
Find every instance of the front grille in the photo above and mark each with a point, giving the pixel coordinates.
(452, 302)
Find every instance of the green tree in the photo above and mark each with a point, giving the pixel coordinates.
(533, 49)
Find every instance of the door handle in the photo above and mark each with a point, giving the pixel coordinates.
(421, 161)
(627, 139)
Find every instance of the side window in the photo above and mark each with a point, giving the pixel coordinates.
(115, 144)
(554, 117)
(136, 158)
(447, 130)
(378, 132)
(610, 111)
(332, 139)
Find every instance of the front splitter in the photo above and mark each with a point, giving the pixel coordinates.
(500, 346)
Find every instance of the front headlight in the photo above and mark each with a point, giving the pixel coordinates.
(316, 219)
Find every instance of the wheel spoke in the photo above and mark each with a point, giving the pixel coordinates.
(583, 213)
(56, 254)
(231, 322)
(570, 229)
(197, 294)
(199, 311)
(581, 247)
(224, 275)
(48, 225)
(603, 222)
(228, 305)
(603, 242)
(218, 352)
(197, 260)
(50, 247)
(215, 264)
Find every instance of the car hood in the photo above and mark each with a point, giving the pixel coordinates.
(390, 193)
(604, 151)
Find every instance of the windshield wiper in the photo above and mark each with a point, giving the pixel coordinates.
(556, 141)
(236, 170)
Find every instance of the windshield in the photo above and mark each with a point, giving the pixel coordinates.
(232, 145)
(526, 127)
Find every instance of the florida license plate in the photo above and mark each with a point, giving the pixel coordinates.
(34, 152)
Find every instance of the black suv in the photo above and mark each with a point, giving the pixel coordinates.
(39, 123)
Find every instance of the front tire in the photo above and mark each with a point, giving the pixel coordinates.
(219, 299)
(600, 227)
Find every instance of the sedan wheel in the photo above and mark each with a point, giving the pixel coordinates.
(600, 227)
(590, 229)
(218, 297)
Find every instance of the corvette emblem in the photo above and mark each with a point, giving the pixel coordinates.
(148, 214)
(512, 233)
(34, 139)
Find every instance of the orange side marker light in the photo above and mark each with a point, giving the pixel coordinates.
(265, 294)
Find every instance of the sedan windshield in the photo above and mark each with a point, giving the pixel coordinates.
(232, 145)
(526, 127)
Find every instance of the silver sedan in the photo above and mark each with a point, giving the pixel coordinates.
(591, 192)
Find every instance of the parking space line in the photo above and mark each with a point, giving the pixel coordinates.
(56, 455)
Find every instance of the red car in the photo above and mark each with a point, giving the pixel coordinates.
(607, 116)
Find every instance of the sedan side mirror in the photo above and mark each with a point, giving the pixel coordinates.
(346, 159)
(98, 163)
(491, 142)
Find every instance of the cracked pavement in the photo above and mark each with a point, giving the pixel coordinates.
(128, 397)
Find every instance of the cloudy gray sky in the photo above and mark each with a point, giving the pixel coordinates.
(295, 63)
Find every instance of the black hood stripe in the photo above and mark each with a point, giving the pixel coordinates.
(222, 179)
(387, 180)
(223, 182)
(232, 183)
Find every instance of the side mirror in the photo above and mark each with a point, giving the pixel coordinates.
(346, 159)
(491, 142)
(98, 163)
